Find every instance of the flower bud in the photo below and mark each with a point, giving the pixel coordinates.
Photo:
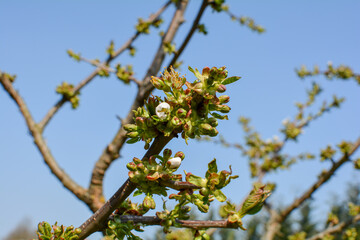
(140, 121)
(174, 162)
(224, 99)
(132, 134)
(131, 166)
(222, 108)
(181, 113)
(212, 121)
(140, 166)
(162, 110)
(130, 127)
(175, 121)
(221, 88)
(205, 128)
(214, 132)
(181, 155)
(206, 71)
(149, 202)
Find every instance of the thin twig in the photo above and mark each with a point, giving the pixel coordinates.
(111, 152)
(190, 33)
(40, 143)
(84, 82)
(335, 229)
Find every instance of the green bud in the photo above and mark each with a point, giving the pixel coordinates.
(181, 113)
(132, 134)
(223, 108)
(131, 166)
(149, 202)
(205, 128)
(175, 121)
(221, 88)
(224, 99)
(212, 121)
(180, 155)
(255, 200)
(130, 127)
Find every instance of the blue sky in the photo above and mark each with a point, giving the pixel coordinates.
(35, 36)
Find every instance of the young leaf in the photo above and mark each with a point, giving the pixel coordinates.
(230, 80)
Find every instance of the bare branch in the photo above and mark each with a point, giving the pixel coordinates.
(111, 152)
(336, 229)
(88, 79)
(40, 143)
(97, 220)
(190, 34)
(195, 224)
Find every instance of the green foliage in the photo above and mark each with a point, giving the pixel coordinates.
(124, 74)
(202, 29)
(144, 26)
(118, 230)
(341, 72)
(147, 172)
(67, 91)
(169, 48)
(182, 111)
(76, 57)
(55, 232)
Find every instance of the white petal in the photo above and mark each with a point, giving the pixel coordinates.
(174, 162)
(162, 110)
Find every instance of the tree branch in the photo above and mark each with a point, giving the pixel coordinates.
(111, 152)
(97, 220)
(190, 33)
(277, 219)
(336, 229)
(195, 224)
(40, 143)
(88, 79)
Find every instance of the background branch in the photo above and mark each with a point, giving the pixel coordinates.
(276, 219)
(336, 229)
(88, 79)
(40, 143)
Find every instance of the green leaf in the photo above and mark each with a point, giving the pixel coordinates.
(137, 193)
(219, 195)
(198, 181)
(132, 140)
(230, 80)
(212, 166)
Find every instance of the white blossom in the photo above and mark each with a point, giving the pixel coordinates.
(162, 110)
(174, 162)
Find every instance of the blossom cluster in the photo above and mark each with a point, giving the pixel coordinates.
(193, 111)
